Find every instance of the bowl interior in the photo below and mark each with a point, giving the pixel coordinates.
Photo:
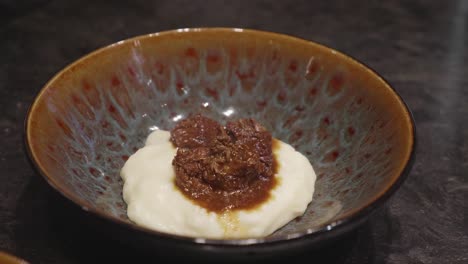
(98, 111)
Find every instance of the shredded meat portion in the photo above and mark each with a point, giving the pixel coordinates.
(223, 168)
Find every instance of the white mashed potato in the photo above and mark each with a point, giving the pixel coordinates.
(155, 202)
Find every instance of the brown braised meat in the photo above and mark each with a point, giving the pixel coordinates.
(197, 131)
(223, 168)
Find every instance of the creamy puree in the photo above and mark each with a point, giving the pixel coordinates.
(155, 202)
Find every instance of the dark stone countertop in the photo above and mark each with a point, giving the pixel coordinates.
(418, 46)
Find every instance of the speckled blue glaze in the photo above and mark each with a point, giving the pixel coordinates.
(100, 110)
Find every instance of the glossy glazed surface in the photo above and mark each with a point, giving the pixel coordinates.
(350, 124)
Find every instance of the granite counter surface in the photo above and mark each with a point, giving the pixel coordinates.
(421, 47)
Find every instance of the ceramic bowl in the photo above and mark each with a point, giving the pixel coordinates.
(355, 129)
(6, 258)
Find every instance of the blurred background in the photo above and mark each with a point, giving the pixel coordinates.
(418, 46)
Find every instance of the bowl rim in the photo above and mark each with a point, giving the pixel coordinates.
(348, 219)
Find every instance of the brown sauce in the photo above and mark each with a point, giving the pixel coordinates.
(224, 168)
